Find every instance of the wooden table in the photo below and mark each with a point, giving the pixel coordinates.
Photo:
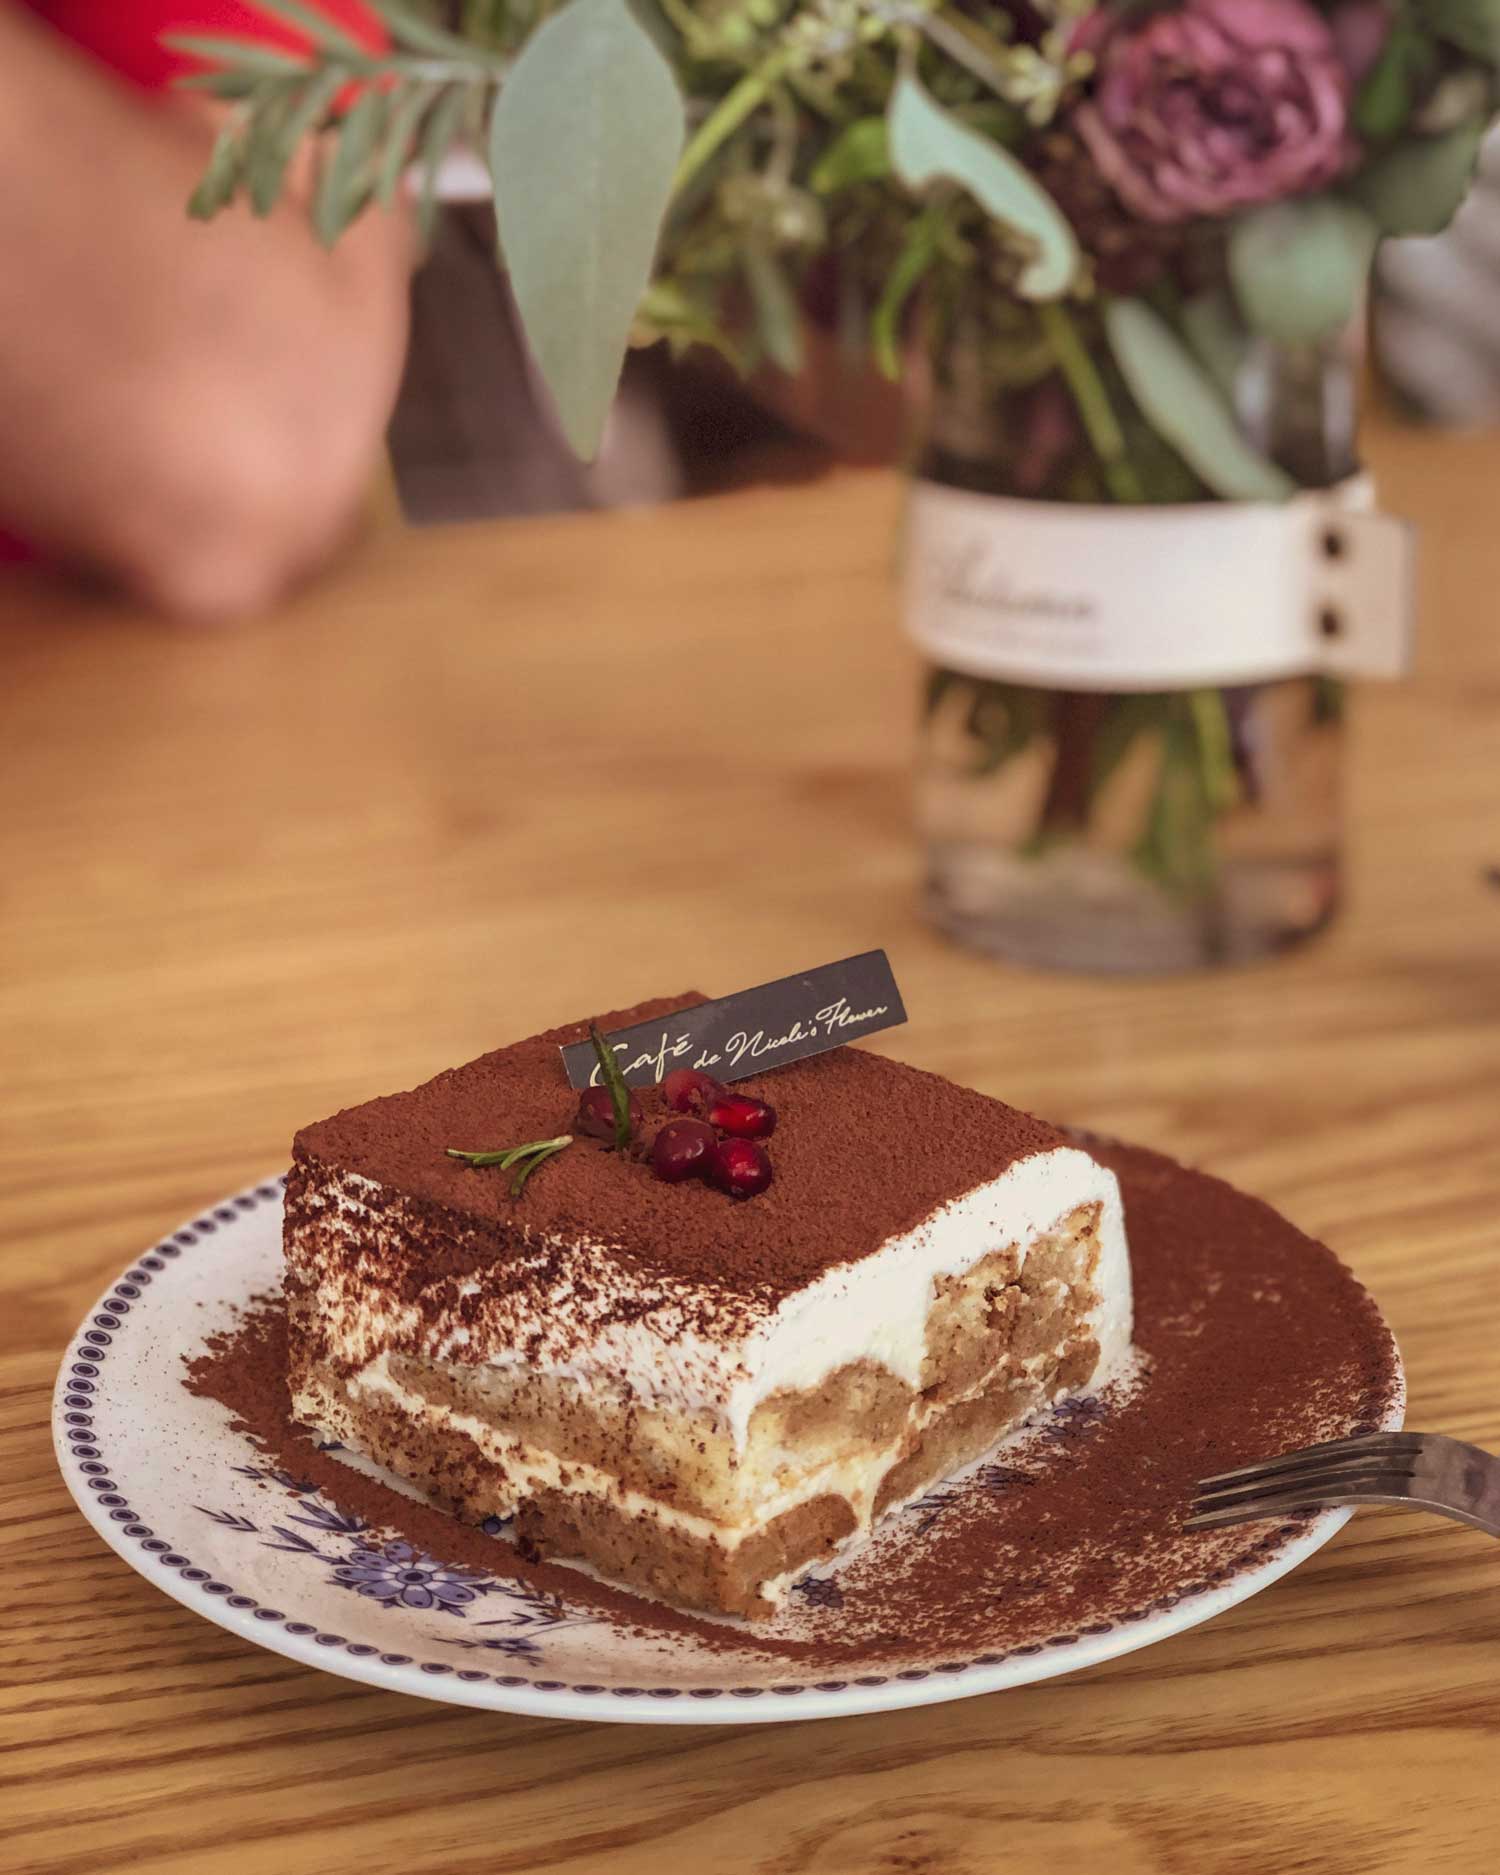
(480, 780)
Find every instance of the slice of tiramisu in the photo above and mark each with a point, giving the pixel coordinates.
(698, 1395)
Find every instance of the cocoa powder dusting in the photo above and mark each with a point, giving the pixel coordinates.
(1254, 1339)
(865, 1148)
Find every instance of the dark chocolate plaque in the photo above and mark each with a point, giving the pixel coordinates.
(756, 1030)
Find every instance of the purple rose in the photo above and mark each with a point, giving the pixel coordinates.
(1215, 106)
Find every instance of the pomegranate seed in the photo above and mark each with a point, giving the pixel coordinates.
(596, 1114)
(740, 1167)
(744, 1116)
(683, 1149)
(689, 1090)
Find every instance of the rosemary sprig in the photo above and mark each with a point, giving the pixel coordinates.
(524, 1160)
(528, 1166)
(619, 1093)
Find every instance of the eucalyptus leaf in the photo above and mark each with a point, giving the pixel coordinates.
(1391, 87)
(653, 20)
(1299, 268)
(584, 142)
(929, 144)
(778, 320)
(410, 29)
(1384, 101)
(306, 108)
(221, 178)
(1471, 25)
(1217, 337)
(859, 153)
(407, 110)
(317, 26)
(239, 55)
(345, 184)
(438, 135)
(268, 145)
(1181, 402)
(1417, 187)
(219, 84)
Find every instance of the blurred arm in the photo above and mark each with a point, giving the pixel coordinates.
(192, 409)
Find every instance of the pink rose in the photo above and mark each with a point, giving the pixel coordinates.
(1215, 106)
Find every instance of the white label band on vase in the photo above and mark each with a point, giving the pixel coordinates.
(1085, 597)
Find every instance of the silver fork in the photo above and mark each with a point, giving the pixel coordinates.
(1422, 1469)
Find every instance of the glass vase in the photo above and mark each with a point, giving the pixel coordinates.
(1131, 830)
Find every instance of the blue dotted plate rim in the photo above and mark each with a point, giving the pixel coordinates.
(80, 1439)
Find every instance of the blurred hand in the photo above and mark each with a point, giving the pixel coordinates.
(191, 409)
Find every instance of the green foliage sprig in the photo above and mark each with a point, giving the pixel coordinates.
(675, 168)
(430, 93)
(580, 111)
(522, 1160)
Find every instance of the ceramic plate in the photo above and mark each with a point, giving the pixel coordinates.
(200, 1511)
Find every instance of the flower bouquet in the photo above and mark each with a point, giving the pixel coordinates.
(1116, 247)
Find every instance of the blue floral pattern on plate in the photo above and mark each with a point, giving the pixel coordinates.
(394, 1574)
(403, 1576)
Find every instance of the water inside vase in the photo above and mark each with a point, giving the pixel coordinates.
(1049, 844)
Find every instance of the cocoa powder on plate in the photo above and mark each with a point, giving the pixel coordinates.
(1253, 1339)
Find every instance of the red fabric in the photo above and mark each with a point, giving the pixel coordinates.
(126, 35)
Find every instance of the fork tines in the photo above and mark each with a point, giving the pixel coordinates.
(1393, 1445)
(1371, 1467)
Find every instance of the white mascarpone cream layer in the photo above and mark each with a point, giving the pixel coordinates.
(560, 1318)
(529, 1469)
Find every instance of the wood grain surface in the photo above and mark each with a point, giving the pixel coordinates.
(486, 778)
